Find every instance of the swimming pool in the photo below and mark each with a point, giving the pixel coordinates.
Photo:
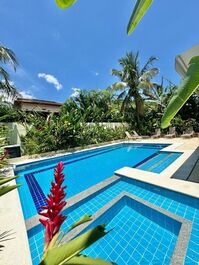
(97, 165)
(87, 168)
(181, 205)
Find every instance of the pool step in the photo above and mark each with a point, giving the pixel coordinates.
(158, 161)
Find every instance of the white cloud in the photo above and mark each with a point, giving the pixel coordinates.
(76, 92)
(26, 94)
(51, 79)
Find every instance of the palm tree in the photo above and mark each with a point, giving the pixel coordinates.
(7, 56)
(135, 83)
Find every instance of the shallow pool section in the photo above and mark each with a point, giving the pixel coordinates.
(158, 162)
(140, 233)
(176, 203)
(85, 169)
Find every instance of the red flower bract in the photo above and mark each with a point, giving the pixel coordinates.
(55, 203)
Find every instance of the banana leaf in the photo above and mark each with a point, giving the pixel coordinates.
(187, 87)
(4, 180)
(83, 260)
(139, 10)
(64, 253)
(6, 189)
(83, 219)
(65, 3)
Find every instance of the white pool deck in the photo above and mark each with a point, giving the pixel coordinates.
(16, 251)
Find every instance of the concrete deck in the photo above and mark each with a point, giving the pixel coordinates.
(16, 250)
(166, 178)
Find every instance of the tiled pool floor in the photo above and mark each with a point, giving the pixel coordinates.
(134, 239)
(181, 205)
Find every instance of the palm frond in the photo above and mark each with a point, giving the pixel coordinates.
(9, 89)
(150, 61)
(118, 86)
(3, 74)
(149, 74)
(8, 56)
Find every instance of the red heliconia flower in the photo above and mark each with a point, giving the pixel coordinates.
(55, 203)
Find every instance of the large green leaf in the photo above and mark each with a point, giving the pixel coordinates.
(83, 260)
(187, 87)
(139, 10)
(83, 219)
(64, 253)
(65, 3)
(6, 189)
(4, 180)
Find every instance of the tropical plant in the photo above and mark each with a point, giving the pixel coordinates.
(56, 252)
(190, 82)
(63, 132)
(7, 56)
(138, 12)
(188, 86)
(94, 106)
(4, 188)
(135, 83)
(3, 155)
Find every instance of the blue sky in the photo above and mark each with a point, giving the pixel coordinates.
(80, 45)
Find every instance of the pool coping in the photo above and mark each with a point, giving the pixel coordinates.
(179, 252)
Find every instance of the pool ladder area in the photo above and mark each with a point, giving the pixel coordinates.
(158, 162)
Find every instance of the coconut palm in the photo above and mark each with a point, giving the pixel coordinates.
(7, 56)
(135, 82)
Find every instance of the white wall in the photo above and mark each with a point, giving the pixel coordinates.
(16, 130)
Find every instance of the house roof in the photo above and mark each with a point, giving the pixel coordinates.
(37, 101)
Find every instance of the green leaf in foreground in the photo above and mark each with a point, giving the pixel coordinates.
(65, 3)
(6, 189)
(83, 219)
(4, 180)
(187, 87)
(62, 254)
(138, 12)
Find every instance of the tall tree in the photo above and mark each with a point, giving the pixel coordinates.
(135, 82)
(7, 56)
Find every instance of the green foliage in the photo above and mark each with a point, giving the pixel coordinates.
(69, 253)
(82, 220)
(188, 86)
(135, 83)
(7, 56)
(3, 163)
(139, 10)
(64, 132)
(65, 3)
(94, 106)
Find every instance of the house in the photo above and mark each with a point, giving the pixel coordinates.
(44, 106)
(182, 60)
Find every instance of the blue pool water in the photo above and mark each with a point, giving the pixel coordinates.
(85, 169)
(181, 205)
(137, 234)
